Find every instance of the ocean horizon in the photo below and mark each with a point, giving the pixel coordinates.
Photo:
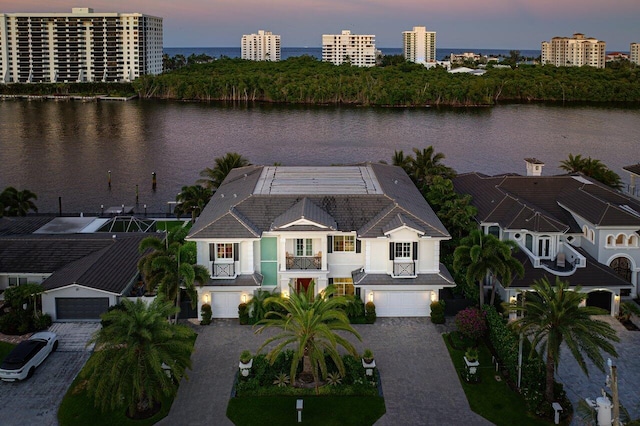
(287, 52)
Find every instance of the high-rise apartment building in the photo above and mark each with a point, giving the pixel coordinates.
(264, 46)
(574, 51)
(355, 49)
(79, 46)
(634, 53)
(419, 45)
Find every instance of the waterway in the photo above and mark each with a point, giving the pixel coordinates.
(65, 149)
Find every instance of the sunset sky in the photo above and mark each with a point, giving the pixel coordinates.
(499, 24)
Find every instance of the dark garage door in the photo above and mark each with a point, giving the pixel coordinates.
(80, 308)
(600, 299)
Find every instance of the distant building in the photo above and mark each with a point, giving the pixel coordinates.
(79, 46)
(358, 50)
(264, 46)
(634, 55)
(616, 56)
(457, 58)
(575, 51)
(419, 45)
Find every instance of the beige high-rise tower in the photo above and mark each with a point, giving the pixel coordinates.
(574, 51)
(419, 45)
(264, 46)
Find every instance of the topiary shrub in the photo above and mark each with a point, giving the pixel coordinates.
(471, 323)
(243, 313)
(437, 312)
(42, 321)
(370, 312)
(205, 312)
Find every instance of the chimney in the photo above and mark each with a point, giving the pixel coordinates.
(534, 166)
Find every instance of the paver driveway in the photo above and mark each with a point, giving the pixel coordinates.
(419, 382)
(35, 401)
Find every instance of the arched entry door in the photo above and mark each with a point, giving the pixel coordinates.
(622, 267)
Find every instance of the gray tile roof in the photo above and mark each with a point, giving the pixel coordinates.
(44, 254)
(112, 268)
(254, 279)
(305, 209)
(442, 279)
(22, 225)
(398, 221)
(545, 203)
(593, 275)
(635, 169)
(351, 212)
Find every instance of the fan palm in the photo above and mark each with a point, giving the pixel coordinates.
(479, 254)
(553, 315)
(593, 168)
(192, 200)
(212, 177)
(17, 203)
(126, 368)
(404, 161)
(426, 164)
(310, 323)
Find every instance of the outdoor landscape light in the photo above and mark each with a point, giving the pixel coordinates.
(244, 298)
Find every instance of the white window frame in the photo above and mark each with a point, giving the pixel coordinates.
(18, 281)
(341, 286)
(303, 247)
(403, 248)
(225, 258)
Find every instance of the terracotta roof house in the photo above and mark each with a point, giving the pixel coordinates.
(364, 228)
(569, 226)
(82, 273)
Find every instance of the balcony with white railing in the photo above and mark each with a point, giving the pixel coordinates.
(303, 262)
(566, 261)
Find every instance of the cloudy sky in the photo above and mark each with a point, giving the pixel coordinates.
(498, 24)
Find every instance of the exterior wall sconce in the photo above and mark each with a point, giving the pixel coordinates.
(371, 297)
(285, 294)
(206, 298)
(244, 298)
(433, 296)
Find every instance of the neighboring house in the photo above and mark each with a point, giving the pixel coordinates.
(82, 273)
(569, 226)
(366, 229)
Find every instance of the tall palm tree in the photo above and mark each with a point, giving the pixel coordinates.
(126, 369)
(404, 161)
(553, 315)
(479, 254)
(213, 177)
(310, 323)
(192, 200)
(170, 265)
(593, 168)
(426, 164)
(17, 203)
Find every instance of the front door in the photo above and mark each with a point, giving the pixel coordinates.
(302, 284)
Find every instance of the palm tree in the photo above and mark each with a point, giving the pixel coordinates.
(426, 165)
(213, 177)
(310, 323)
(593, 168)
(170, 266)
(133, 351)
(479, 254)
(192, 199)
(404, 161)
(17, 203)
(553, 315)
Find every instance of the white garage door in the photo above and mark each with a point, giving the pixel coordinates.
(225, 305)
(402, 303)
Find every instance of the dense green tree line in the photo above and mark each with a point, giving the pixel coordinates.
(87, 89)
(307, 80)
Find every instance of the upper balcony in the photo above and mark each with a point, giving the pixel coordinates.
(222, 270)
(406, 269)
(566, 261)
(303, 262)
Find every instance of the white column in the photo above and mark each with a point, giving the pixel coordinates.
(283, 254)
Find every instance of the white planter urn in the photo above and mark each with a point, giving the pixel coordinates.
(245, 367)
(369, 366)
(471, 368)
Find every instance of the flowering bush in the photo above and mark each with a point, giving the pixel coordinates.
(471, 323)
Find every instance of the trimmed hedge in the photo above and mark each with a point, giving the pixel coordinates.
(370, 312)
(437, 312)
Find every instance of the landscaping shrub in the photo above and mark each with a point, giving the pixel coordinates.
(205, 312)
(119, 306)
(355, 307)
(370, 312)
(437, 312)
(243, 313)
(16, 321)
(471, 323)
(42, 321)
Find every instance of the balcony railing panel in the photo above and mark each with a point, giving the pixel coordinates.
(404, 269)
(223, 270)
(304, 262)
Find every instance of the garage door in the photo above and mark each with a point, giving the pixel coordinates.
(80, 308)
(402, 303)
(225, 305)
(600, 299)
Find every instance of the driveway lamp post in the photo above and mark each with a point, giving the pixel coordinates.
(299, 404)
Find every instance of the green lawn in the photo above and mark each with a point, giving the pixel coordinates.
(5, 348)
(318, 410)
(77, 409)
(494, 400)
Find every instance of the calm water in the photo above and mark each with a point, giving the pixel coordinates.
(64, 149)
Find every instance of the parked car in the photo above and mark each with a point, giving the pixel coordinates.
(27, 355)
